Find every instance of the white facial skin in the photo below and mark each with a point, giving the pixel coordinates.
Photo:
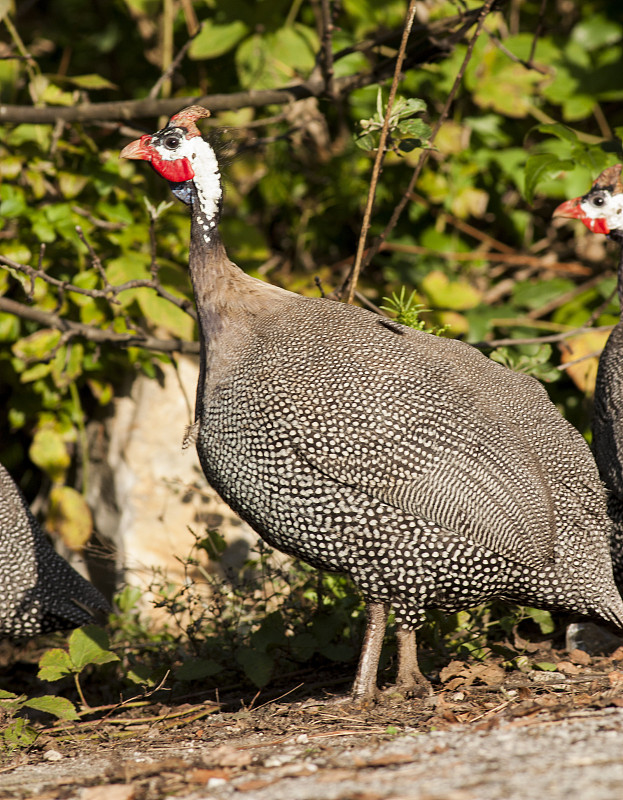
(200, 155)
(601, 204)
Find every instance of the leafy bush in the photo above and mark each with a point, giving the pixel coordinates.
(93, 272)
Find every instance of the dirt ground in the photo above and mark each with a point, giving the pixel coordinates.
(484, 734)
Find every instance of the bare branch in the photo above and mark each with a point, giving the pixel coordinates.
(71, 329)
(435, 39)
(110, 292)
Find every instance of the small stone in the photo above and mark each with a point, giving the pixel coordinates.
(52, 755)
(591, 638)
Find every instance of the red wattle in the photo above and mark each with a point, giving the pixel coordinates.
(176, 171)
(596, 225)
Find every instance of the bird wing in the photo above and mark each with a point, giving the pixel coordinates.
(448, 459)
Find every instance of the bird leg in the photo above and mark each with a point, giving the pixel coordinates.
(364, 687)
(410, 679)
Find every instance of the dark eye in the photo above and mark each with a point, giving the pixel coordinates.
(598, 200)
(171, 142)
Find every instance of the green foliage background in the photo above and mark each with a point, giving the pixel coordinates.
(520, 137)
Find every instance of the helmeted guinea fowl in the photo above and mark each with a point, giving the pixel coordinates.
(601, 210)
(39, 591)
(431, 475)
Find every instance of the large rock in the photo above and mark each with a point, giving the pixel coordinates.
(147, 493)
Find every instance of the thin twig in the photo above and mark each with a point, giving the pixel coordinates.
(380, 155)
(109, 293)
(537, 32)
(376, 245)
(502, 47)
(570, 267)
(327, 48)
(166, 75)
(463, 226)
(94, 334)
(566, 297)
(550, 339)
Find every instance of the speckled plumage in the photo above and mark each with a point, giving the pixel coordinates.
(434, 477)
(601, 210)
(39, 591)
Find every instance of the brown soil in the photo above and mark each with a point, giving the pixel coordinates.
(483, 733)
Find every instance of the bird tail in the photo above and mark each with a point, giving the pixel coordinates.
(612, 612)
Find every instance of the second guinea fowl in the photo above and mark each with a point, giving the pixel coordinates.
(434, 477)
(601, 210)
(39, 591)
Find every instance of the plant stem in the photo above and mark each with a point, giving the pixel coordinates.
(351, 281)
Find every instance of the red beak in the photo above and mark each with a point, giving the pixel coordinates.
(139, 149)
(569, 209)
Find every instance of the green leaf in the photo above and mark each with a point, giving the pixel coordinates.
(271, 60)
(49, 452)
(60, 707)
(53, 95)
(38, 345)
(54, 665)
(19, 734)
(91, 81)
(596, 31)
(4, 695)
(303, 646)
(9, 327)
(160, 311)
(271, 632)
(141, 675)
(557, 129)
(444, 293)
(5, 8)
(195, 669)
(542, 618)
(408, 106)
(214, 40)
(71, 184)
(258, 667)
(367, 141)
(546, 666)
(540, 168)
(12, 201)
(90, 645)
(415, 127)
(69, 517)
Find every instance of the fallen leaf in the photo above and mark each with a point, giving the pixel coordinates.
(568, 668)
(580, 657)
(254, 785)
(453, 669)
(615, 678)
(204, 775)
(114, 791)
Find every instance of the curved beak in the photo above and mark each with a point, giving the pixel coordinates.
(138, 149)
(569, 209)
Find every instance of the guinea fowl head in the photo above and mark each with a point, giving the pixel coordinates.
(601, 208)
(180, 155)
